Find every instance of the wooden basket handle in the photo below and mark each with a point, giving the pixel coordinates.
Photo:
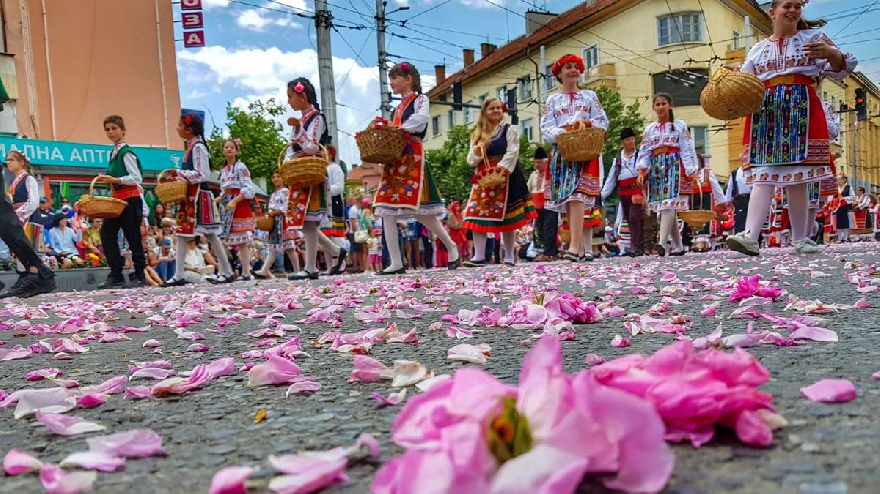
(92, 186)
(161, 174)
(283, 150)
(580, 125)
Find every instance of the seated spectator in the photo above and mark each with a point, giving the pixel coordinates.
(62, 242)
(611, 246)
(162, 260)
(91, 238)
(198, 264)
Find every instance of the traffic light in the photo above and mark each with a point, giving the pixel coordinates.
(861, 105)
(511, 106)
(456, 96)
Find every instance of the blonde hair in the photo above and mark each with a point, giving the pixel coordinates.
(484, 130)
(802, 24)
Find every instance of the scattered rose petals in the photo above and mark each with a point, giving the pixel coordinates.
(16, 462)
(475, 354)
(57, 481)
(830, 391)
(230, 480)
(66, 425)
(620, 342)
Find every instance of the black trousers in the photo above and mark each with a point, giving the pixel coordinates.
(549, 230)
(129, 222)
(12, 234)
(634, 214)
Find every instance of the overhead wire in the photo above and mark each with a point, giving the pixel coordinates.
(848, 24)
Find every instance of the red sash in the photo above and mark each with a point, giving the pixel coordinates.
(125, 192)
(629, 187)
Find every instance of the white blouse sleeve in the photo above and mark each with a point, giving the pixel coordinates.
(335, 179)
(849, 59)
(597, 114)
(509, 160)
(472, 157)
(248, 188)
(611, 182)
(308, 137)
(717, 191)
(201, 165)
(285, 199)
(549, 127)
(131, 167)
(644, 161)
(418, 121)
(687, 149)
(27, 209)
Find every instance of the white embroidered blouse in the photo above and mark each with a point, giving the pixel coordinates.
(509, 160)
(238, 176)
(768, 59)
(566, 108)
(833, 119)
(201, 171)
(335, 179)
(278, 200)
(307, 137)
(668, 134)
(421, 115)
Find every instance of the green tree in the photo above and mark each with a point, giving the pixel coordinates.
(260, 133)
(449, 164)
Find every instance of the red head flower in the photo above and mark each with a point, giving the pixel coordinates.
(299, 87)
(566, 59)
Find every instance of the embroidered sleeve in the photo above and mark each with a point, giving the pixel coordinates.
(284, 198)
(686, 147)
(597, 114)
(549, 126)
(308, 137)
(472, 156)
(849, 60)
(131, 167)
(611, 182)
(508, 161)
(418, 121)
(717, 191)
(335, 179)
(201, 165)
(644, 161)
(247, 186)
(749, 65)
(833, 121)
(27, 209)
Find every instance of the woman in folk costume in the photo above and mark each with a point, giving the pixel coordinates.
(505, 207)
(407, 187)
(236, 215)
(24, 195)
(861, 205)
(572, 188)
(197, 214)
(707, 195)
(787, 139)
(278, 239)
(666, 159)
(308, 206)
(624, 177)
(334, 231)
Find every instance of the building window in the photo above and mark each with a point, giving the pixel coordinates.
(524, 88)
(435, 125)
(680, 28)
(834, 103)
(591, 57)
(685, 84)
(701, 139)
(737, 40)
(502, 93)
(468, 113)
(483, 98)
(525, 129)
(451, 119)
(549, 79)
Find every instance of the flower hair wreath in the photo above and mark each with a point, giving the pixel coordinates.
(566, 59)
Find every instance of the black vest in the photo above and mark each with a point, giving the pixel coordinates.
(498, 145)
(21, 193)
(408, 111)
(325, 136)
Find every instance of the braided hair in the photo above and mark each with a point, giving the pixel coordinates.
(307, 88)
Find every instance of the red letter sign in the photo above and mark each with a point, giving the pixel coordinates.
(194, 39)
(190, 4)
(193, 20)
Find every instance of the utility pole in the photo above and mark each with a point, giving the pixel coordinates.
(323, 23)
(384, 89)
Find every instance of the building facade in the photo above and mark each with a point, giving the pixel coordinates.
(67, 64)
(639, 48)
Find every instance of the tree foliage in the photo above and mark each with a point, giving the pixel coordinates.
(260, 133)
(620, 116)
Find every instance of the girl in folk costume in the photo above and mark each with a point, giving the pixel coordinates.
(706, 194)
(787, 139)
(197, 214)
(236, 216)
(335, 229)
(24, 195)
(455, 224)
(624, 177)
(572, 188)
(407, 187)
(841, 207)
(308, 207)
(505, 207)
(666, 159)
(278, 239)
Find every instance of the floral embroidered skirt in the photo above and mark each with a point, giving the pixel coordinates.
(504, 208)
(787, 139)
(570, 181)
(665, 181)
(237, 226)
(407, 187)
(197, 214)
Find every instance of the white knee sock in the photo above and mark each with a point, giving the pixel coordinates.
(220, 253)
(479, 247)
(759, 208)
(330, 247)
(798, 208)
(310, 233)
(508, 242)
(180, 266)
(433, 223)
(389, 226)
(268, 263)
(294, 259)
(588, 240)
(244, 253)
(667, 223)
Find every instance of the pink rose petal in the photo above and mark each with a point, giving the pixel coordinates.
(475, 354)
(392, 399)
(137, 443)
(275, 370)
(151, 373)
(367, 369)
(197, 347)
(7, 354)
(620, 342)
(152, 344)
(830, 391)
(67, 425)
(39, 375)
(16, 462)
(92, 400)
(57, 481)
(305, 386)
(230, 480)
(93, 460)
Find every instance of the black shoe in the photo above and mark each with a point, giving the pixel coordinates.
(660, 250)
(588, 257)
(137, 283)
(221, 280)
(173, 282)
(29, 286)
(389, 273)
(572, 257)
(111, 283)
(475, 264)
(677, 254)
(509, 264)
(303, 275)
(452, 266)
(337, 268)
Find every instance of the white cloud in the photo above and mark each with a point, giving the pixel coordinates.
(483, 4)
(254, 20)
(196, 94)
(208, 4)
(258, 74)
(402, 3)
(296, 4)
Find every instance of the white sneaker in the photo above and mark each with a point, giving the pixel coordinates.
(743, 243)
(805, 247)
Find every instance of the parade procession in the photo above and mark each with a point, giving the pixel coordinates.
(296, 247)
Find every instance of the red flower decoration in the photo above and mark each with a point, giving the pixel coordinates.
(566, 59)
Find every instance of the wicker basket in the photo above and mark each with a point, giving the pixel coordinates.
(265, 223)
(301, 173)
(696, 218)
(581, 144)
(490, 176)
(731, 94)
(92, 206)
(381, 145)
(172, 191)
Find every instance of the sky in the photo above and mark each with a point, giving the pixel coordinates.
(253, 47)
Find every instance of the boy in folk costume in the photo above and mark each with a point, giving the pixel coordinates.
(197, 214)
(505, 207)
(407, 187)
(791, 157)
(572, 187)
(237, 220)
(334, 230)
(124, 175)
(308, 206)
(842, 207)
(624, 177)
(667, 159)
(546, 227)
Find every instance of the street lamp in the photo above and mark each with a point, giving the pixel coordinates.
(405, 7)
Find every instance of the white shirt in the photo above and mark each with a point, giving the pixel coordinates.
(768, 59)
(670, 134)
(238, 177)
(335, 179)
(622, 168)
(566, 108)
(509, 160)
(201, 171)
(737, 177)
(131, 167)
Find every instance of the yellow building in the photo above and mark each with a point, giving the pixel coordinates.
(860, 161)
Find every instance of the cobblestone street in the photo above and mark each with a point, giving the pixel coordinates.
(826, 448)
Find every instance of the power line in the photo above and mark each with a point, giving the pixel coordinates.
(444, 2)
(875, 2)
(357, 56)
